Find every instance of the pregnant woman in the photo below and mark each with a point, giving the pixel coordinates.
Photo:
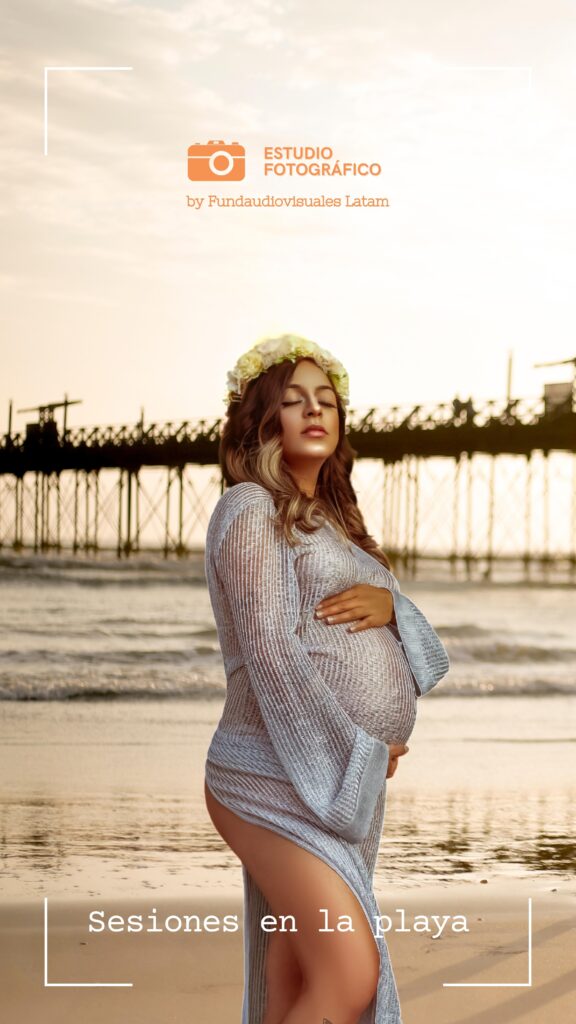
(324, 660)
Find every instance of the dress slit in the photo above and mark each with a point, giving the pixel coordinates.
(384, 1006)
(310, 706)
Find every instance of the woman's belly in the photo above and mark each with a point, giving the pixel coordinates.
(369, 674)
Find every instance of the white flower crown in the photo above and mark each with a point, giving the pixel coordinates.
(275, 350)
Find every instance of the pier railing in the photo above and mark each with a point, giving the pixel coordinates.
(465, 481)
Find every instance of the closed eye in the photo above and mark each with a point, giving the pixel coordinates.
(330, 405)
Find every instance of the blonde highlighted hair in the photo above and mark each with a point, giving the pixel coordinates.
(251, 449)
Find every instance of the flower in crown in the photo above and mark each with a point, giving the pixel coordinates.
(275, 350)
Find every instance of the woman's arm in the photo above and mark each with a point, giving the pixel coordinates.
(336, 767)
(426, 654)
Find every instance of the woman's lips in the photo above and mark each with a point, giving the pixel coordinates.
(314, 432)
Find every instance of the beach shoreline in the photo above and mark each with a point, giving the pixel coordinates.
(103, 810)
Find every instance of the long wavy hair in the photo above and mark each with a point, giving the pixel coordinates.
(251, 449)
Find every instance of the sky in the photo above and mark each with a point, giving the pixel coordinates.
(115, 292)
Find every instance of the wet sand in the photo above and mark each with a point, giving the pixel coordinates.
(183, 976)
(102, 809)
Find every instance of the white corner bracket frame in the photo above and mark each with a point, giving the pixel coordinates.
(73, 984)
(502, 984)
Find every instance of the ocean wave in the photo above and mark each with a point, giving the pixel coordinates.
(71, 690)
(103, 572)
(459, 630)
(210, 684)
(534, 687)
(140, 631)
(194, 578)
(500, 653)
(129, 656)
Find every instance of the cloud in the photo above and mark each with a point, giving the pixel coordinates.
(479, 173)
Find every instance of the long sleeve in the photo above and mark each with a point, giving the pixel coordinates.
(426, 654)
(336, 767)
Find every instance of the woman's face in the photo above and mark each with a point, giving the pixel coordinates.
(309, 400)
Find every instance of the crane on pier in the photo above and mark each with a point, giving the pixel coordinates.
(46, 426)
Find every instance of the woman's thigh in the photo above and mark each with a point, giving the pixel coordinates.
(296, 882)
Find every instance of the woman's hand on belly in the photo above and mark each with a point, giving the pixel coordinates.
(396, 750)
(372, 606)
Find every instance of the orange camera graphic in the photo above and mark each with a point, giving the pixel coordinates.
(216, 161)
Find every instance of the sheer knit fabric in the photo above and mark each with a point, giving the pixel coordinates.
(301, 746)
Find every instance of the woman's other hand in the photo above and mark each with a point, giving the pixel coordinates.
(372, 606)
(396, 750)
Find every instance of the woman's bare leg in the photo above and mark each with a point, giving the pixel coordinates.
(283, 974)
(283, 977)
(339, 969)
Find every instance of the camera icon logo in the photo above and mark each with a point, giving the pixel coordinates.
(216, 161)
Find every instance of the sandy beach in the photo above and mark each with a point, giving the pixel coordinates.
(108, 820)
(179, 976)
(104, 729)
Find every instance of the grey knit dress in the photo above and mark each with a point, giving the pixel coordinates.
(301, 746)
